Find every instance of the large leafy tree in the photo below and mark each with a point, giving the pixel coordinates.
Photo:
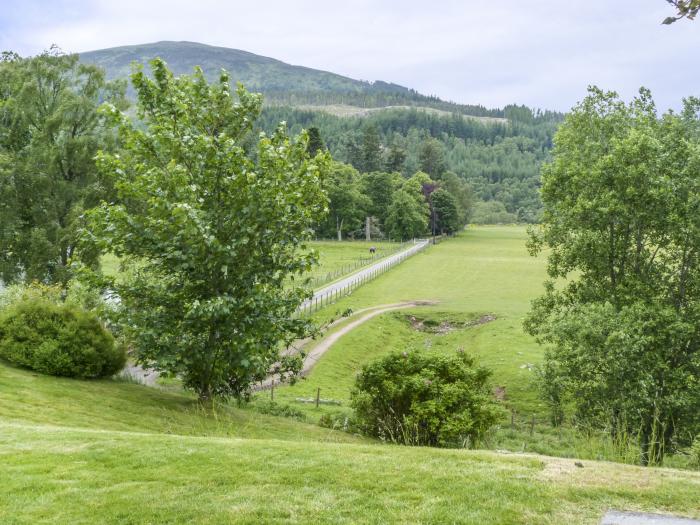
(348, 204)
(380, 187)
(622, 226)
(447, 218)
(407, 216)
(210, 237)
(50, 132)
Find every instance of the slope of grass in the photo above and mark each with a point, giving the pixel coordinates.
(55, 475)
(30, 398)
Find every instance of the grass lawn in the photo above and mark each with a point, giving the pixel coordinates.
(483, 271)
(59, 475)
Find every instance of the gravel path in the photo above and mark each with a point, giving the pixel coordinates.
(327, 342)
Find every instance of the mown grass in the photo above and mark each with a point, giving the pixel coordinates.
(55, 475)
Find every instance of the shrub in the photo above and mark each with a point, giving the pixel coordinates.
(57, 339)
(417, 398)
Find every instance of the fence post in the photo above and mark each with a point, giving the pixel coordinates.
(272, 391)
(532, 426)
(318, 396)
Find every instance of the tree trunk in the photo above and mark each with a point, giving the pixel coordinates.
(339, 228)
(368, 228)
(206, 398)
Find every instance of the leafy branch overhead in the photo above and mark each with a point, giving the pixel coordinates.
(685, 9)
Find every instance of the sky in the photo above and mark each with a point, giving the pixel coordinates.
(542, 53)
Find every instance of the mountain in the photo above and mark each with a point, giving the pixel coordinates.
(256, 72)
(281, 83)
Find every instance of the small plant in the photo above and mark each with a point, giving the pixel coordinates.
(694, 460)
(281, 410)
(58, 339)
(418, 398)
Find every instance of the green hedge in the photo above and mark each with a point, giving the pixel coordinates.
(58, 339)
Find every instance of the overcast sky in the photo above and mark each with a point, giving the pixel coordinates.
(542, 53)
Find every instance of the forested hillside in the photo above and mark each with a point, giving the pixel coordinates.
(499, 161)
(381, 126)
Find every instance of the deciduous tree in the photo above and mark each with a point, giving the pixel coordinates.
(49, 134)
(622, 226)
(213, 240)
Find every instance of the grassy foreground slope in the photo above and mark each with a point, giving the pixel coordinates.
(482, 271)
(34, 399)
(54, 475)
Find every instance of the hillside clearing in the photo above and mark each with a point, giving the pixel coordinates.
(345, 110)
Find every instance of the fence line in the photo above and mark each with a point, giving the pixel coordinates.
(340, 289)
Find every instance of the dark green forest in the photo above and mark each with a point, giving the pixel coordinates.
(499, 161)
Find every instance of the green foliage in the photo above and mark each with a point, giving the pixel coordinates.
(315, 143)
(348, 204)
(622, 223)
(211, 236)
(273, 408)
(446, 213)
(694, 460)
(371, 152)
(407, 216)
(499, 159)
(395, 159)
(684, 9)
(431, 158)
(60, 340)
(49, 134)
(492, 212)
(416, 398)
(380, 187)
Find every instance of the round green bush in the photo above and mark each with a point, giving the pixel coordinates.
(58, 339)
(420, 398)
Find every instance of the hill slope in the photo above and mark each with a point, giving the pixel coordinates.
(254, 71)
(281, 83)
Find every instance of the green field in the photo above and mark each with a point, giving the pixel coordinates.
(484, 271)
(83, 452)
(335, 258)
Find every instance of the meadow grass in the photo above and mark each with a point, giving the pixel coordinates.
(482, 271)
(30, 398)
